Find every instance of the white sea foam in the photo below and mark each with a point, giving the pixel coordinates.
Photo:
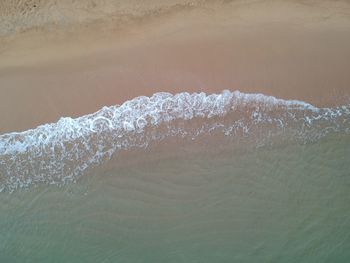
(60, 152)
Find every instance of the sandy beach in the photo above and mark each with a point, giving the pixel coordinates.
(291, 49)
(223, 176)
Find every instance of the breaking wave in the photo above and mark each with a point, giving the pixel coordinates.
(60, 152)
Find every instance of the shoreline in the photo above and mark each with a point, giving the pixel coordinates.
(292, 55)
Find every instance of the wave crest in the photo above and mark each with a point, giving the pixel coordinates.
(60, 152)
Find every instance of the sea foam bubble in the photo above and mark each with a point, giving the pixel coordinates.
(60, 152)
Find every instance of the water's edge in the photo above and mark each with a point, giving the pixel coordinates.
(60, 152)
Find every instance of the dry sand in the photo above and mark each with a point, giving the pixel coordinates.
(289, 49)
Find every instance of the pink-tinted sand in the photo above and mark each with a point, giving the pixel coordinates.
(287, 50)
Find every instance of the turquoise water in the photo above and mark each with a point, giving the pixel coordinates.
(287, 203)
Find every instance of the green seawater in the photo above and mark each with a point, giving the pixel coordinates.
(282, 203)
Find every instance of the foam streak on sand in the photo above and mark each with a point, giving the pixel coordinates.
(60, 152)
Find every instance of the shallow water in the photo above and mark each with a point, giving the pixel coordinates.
(285, 203)
(208, 198)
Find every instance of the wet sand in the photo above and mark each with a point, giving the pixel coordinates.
(292, 50)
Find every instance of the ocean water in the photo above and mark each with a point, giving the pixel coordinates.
(228, 177)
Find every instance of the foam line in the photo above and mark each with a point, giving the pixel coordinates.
(60, 152)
